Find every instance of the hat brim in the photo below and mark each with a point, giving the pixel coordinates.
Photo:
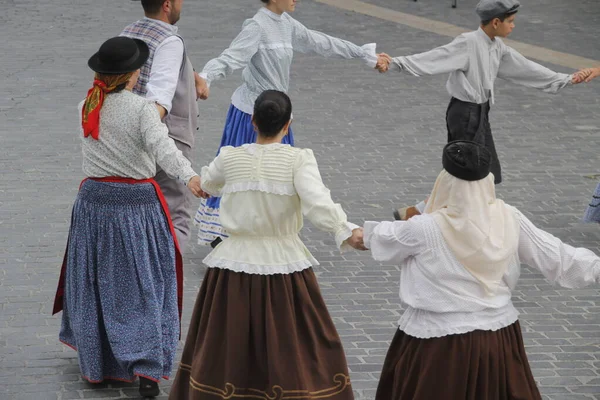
(143, 53)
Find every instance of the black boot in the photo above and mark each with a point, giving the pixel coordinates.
(148, 388)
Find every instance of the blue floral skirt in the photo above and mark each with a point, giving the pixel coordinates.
(120, 307)
(238, 131)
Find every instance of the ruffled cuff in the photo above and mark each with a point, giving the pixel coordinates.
(209, 187)
(344, 234)
(370, 56)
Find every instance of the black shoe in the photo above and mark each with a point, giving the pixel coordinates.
(397, 216)
(215, 242)
(148, 388)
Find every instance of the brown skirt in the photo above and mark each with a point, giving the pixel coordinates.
(261, 337)
(479, 365)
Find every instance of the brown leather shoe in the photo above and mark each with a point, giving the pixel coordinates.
(406, 213)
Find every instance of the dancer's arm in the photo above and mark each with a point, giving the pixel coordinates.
(559, 262)
(237, 56)
(442, 60)
(213, 176)
(391, 241)
(305, 40)
(164, 74)
(514, 67)
(316, 201)
(162, 147)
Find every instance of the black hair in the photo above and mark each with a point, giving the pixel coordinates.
(272, 110)
(501, 18)
(265, 1)
(152, 7)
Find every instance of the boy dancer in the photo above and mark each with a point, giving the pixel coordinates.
(474, 60)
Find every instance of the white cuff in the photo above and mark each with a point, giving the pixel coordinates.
(344, 234)
(368, 232)
(204, 76)
(421, 206)
(370, 56)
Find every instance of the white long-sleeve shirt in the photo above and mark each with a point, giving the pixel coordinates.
(164, 72)
(265, 48)
(265, 192)
(443, 298)
(473, 61)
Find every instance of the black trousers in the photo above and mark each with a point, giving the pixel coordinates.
(470, 121)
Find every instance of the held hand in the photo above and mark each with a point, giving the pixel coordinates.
(591, 74)
(383, 62)
(202, 89)
(196, 188)
(356, 240)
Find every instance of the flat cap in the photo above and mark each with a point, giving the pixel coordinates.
(490, 9)
(467, 160)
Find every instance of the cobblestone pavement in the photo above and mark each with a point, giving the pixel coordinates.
(378, 141)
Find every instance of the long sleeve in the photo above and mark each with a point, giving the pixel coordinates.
(164, 73)
(316, 201)
(559, 262)
(305, 40)
(391, 241)
(442, 60)
(237, 56)
(213, 176)
(162, 147)
(518, 69)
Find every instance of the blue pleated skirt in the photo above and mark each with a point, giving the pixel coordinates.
(120, 304)
(238, 131)
(592, 213)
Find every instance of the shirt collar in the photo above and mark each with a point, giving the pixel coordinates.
(271, 14)
(171, 28)
(485, 37)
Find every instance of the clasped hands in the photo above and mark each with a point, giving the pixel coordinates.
(195, 187)
(383, 62)
(356, 241)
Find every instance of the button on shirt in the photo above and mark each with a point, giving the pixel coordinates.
(474, 60)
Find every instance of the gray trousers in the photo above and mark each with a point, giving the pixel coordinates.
(179, 199)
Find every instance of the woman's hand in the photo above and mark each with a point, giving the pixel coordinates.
(196, 188)
(356, 240)
(202, 89)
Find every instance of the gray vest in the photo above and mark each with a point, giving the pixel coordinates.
(182, 121)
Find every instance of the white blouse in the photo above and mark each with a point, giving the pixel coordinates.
(265, 48)
(443, 298)
(473, 61)
(265, 191)
(132, 141)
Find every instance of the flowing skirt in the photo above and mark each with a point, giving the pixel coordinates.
(479, 365)
(238, 131)
(120, 306)
(592, 213)
(261, 337)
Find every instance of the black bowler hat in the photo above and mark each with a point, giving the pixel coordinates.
(467, 160)
(119, 55)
